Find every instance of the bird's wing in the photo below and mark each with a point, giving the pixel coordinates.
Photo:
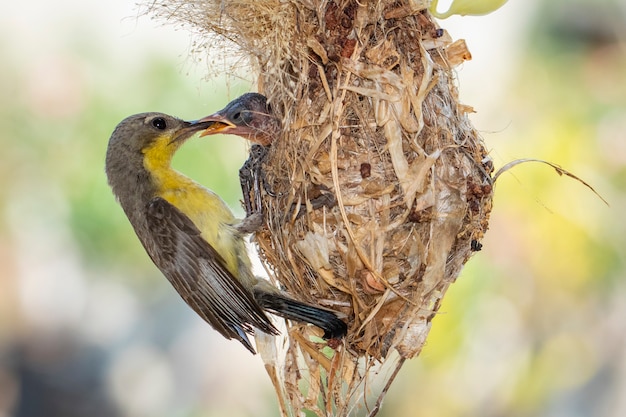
(198, 272)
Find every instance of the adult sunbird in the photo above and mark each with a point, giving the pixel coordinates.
(192, 236)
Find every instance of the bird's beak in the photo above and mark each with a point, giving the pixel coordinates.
(217, 123)
(190, 128)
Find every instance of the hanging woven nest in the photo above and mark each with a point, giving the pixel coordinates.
(371, 128)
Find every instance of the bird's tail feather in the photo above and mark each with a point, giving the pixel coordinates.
(291, 309)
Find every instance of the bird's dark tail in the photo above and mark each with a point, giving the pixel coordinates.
(291, 309)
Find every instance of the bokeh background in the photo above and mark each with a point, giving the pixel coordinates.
(535, 325)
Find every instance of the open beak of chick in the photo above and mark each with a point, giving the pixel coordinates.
(248, 116)
(218, 123)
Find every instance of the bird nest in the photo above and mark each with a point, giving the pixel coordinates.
(377, 190)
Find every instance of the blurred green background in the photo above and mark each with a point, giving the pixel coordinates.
(535, 325)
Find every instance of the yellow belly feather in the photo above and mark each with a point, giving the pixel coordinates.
(206, 209)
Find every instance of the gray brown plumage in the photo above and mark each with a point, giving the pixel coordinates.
(192, 236)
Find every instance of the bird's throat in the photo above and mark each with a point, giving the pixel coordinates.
(159, 154)
(158, 163)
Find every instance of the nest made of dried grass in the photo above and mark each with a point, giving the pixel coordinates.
(370, 114)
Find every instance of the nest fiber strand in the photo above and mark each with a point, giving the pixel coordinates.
(370, 116)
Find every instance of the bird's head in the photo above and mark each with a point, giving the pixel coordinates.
(248, 116)
(143, 132)
(140, 147)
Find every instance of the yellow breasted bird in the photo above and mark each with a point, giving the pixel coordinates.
(192, 236)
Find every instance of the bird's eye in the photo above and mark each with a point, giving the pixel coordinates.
(159, 123)
(237, 117)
